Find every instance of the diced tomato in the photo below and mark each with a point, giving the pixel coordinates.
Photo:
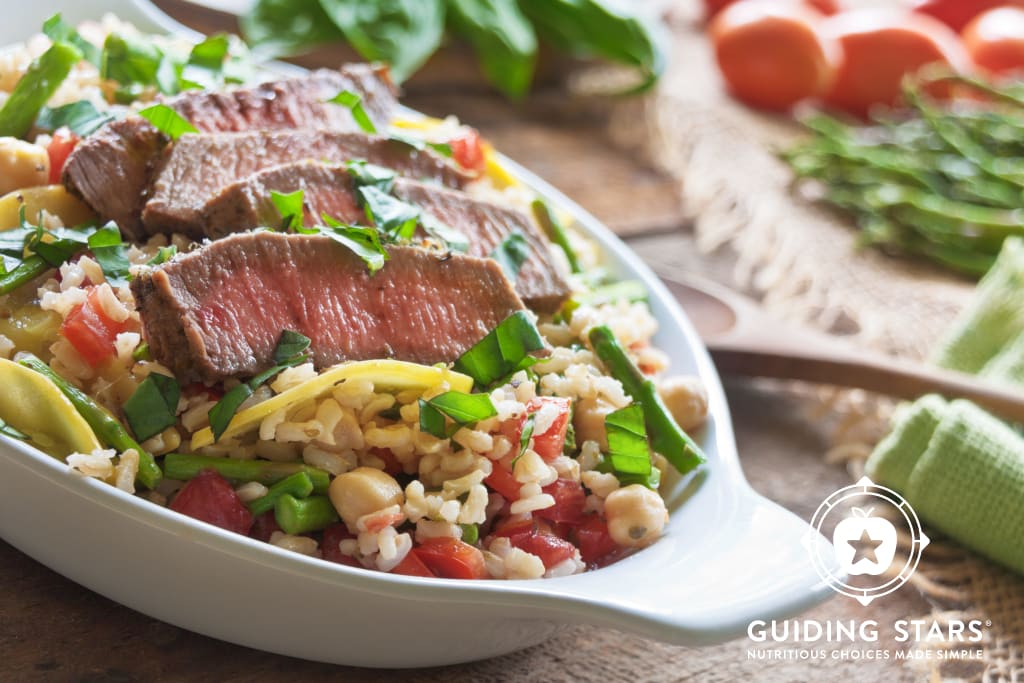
(264, 526)
(514, 527)
(412, 565)
(551, 549)
(569, 501)
(593, 540)
(333, 536)
(504, 482)
(548, 445)
(61, 145)
(209, 497)
(90, 331)
(195, 388)
(391, 464)
(468, 151)
(450, 558)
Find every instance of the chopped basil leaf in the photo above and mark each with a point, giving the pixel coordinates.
(134, 61)
(354, 103)
(225, 409)
(365, 174)
(442, 148)
(58, 30)
(8, 430)
(290, 206)
(512, 253)
(464, 408)
(258, 380)
(452, 239)
(470, 533)
(630, 290)
(141, 352)
(395, 218)
(432, 421)
(153, 406)
(167, 121)
(503, 351)
(290, 345)
(525, 436)
(111, 253)
(163, 255)
(63, 243)
(81, 117)
(629, 456)
(364, 242)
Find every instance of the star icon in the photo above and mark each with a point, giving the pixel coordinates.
(864, 548)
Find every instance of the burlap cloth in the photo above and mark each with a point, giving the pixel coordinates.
(803, 262)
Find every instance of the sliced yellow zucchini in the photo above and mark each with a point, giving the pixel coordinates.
(33, 405)
(386, 375)
(424, 123)
(495, 171)
(53, 199)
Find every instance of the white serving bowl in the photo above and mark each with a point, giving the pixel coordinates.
(728, 556)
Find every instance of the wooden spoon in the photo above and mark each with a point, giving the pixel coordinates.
(744, 340)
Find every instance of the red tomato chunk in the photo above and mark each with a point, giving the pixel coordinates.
(551, 550)
(550, 443)
(412, 565)
(88, 328)
(61, 145)
(209, 497)
(468, 151)
(333, 536)
(451, 559)
(594, 541)
(569, 501)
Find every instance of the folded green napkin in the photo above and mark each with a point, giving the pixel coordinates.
(959, 467)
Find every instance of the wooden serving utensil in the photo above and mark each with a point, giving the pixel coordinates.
(744, 340)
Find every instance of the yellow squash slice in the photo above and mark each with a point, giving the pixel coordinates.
(54, 199)
(33, 405)
(393, 375)
(497, 173)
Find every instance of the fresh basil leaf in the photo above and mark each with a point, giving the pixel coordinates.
(8, 430)
(260, 379)
(282, 28)
(111, 253)
(525, 436)
(81, 117)
(442, 148)
(403, 33)
(628, 290)
(291, 207)
(464, 408)
(290, 345)
(220, 59)
(354, 103)
(432, 421)
(63, 243)
(134, 60)
(451, 238)
(627, 440)
(364, 242)
(58, 30)
(503, 351)
(153, 407)
(395, 218)
(14, 240)
(222, 413)
(141, 352)
(163, 255)
(167, 121)
(34, 89)
(512, 253)
(503, 38)
(365, 174)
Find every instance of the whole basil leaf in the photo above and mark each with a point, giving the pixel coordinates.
(282, 28)
(503, 38)
(403, 33)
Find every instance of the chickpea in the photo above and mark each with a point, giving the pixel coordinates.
(588, 420)
(636, 515)
(362, 491)
(687, 400)
(22, 165)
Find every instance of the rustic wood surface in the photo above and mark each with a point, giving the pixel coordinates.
(52, 629)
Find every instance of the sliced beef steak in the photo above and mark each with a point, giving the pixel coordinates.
(219, 311)
(327, 188)
(111, 169)
(199, 166)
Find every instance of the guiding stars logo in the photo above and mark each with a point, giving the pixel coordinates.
(867, 521)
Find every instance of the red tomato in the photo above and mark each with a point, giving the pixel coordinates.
(504, 482)
(551, 550)
(450, 558)
(210, 498)
(412, 566)
(333, 536)
(826, 7)
(548, 445)
(594, 541)
(264, 526)
(468, 151)
(995, 40)
(61, 145)
(569, 501)
(90, 331)
(958, 13)
(514, 527)
(879, 48)
(771, 55)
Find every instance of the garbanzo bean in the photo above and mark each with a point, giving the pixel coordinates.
(636, 515)
(362, 491)
(687, 400)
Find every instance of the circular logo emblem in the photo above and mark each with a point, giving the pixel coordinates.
(865, 522)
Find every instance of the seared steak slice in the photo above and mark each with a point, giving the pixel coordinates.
(219, 311)
(112, 168)
(199, 166)
(327, 188)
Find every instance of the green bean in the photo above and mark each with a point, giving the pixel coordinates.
(298, 485)
(108, 430)
(296, 516)
(181, 466)
(25, 272)
(555, 232)
(35, 88)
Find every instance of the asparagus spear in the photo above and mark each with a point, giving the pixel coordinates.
(27, 270)
(298, 485)
(666, 437)
(296, 516)
(556, 233)
(182, 466)
(108, 430)
(33, 90)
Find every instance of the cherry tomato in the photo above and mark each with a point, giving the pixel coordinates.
(593, 539)
(450, 558)
(826, 7)
(209, 497)
(329, 546)
(264, 526)
(995, 40)
(958, 13)
(412, 566)
(771, 55)
(503, 481)
(91, 331)
(61, 145)
(468, 151)
(551, 442)
(879, 48)
(569, 501)
(551, 549)
(514, 527)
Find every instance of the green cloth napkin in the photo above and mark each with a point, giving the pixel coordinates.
(959, 467)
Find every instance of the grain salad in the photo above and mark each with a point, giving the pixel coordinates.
(290, 309)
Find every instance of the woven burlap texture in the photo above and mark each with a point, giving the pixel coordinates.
(803, 261)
